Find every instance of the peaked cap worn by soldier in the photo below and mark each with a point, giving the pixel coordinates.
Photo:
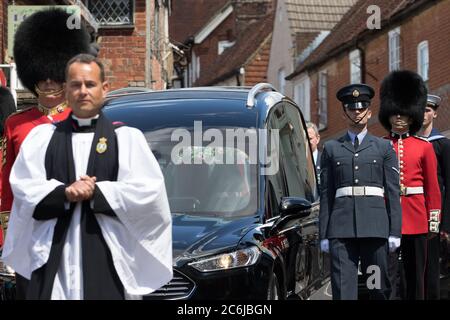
(404, 93)
(355, 96)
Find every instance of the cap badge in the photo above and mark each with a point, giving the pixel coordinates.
(355, 93)
(101, 145)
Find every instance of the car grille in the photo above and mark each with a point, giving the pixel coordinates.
(180, 287)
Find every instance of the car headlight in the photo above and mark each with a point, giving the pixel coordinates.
(240, 258)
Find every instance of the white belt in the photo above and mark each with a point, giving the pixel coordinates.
(359, 191)
(405, 191)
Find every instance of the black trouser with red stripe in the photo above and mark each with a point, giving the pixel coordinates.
(414, 257)
(432, 271)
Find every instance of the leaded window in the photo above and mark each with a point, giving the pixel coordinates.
(112, 12)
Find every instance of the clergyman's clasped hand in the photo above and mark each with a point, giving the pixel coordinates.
(81, 190)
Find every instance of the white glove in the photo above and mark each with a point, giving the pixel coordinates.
(325, 245)
(394, 243)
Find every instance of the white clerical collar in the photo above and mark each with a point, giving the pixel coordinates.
(84, 122)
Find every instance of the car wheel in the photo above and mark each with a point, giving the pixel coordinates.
(273, 292)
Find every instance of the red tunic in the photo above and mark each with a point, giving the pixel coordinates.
(418, 168)
(17, 127)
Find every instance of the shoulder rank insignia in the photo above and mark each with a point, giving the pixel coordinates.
(101, 145)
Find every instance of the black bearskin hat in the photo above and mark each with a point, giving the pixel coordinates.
(7, 106)
(43, 44)
(403, 92)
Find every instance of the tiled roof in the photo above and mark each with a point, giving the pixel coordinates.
(248, 43)
(315, 15)
(190, 16)
(352, 26)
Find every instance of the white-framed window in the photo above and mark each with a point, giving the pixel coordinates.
(323, 99)
(194, 68)
(302, 96)
(197, 68)
(222, 45)
(423, 61)
(281, 80)
(112, 13)
(394, 49)
(355, 66)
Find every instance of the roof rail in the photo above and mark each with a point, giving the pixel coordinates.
(260, 87)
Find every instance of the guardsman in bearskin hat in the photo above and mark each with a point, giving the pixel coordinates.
(441, 147)
(7, 107)
(360, 213)
(403, 98)
(43, 44)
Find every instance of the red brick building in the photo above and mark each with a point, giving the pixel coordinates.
(246, 62)
(208, 30)
(413, 35)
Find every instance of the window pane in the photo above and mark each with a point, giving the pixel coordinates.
(297, 163)
(423, 60)
(394, 51)
(323, 103)
(112, 12)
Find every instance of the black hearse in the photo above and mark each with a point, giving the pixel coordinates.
(242, 189)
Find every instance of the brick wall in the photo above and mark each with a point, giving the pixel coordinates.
(3, 21)
(123, 51)
(256, 69)
(183, 25)
(3, 29)
(208, 49)
(432, 25)
(248, 11)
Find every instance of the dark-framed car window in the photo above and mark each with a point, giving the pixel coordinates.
(294, 155)
(276, 187)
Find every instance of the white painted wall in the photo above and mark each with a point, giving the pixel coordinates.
(281, 50)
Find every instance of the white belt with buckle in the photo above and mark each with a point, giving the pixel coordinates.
(405, 191)
(359, 191)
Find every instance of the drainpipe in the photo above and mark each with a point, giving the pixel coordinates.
(148, 45)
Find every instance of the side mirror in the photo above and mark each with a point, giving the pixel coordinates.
(295, 206)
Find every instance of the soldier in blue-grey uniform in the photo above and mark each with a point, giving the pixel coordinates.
(360, 214)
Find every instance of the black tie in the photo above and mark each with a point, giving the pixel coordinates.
(356, 144)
